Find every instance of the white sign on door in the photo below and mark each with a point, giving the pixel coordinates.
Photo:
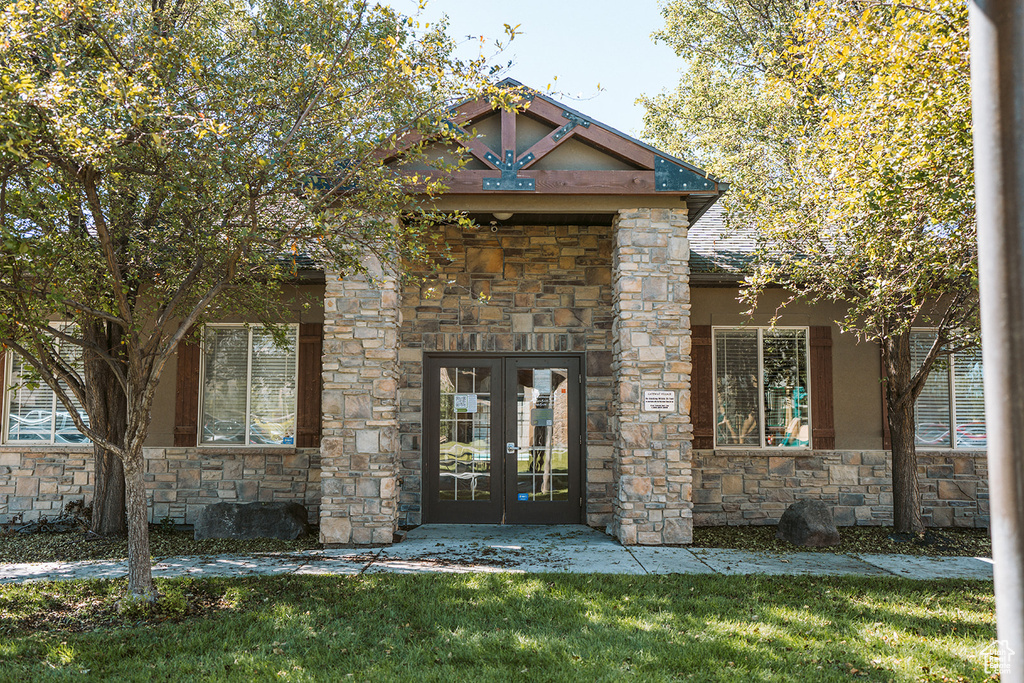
(465, 403)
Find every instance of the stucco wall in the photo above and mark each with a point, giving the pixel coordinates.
(518, 289)
(299, 303)
(38, 481)
(856, 367)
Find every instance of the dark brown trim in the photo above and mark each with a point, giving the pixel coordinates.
(478, 149)
(186, 406)
(595, 135)
(561, 182)
(823, 434)
(702, 397)
(545, 145)
(508, 131)
(308, 418)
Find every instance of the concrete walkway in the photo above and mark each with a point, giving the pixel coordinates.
(487, 548)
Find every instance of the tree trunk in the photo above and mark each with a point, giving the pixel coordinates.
(906, 495)
(108, 407)
(108, 503)
(140, 570)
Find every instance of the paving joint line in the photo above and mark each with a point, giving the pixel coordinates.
(636, 559)
(370, 563)
(701, 560)
(872, 564)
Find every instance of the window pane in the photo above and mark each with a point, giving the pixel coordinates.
(931, 412)
(64, 429)
(35, 414)
(969, 400)
(736, 388)
(786, 421)
(225, 351)
(30, 417)
(272, 393)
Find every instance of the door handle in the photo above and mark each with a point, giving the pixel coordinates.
(511, 448)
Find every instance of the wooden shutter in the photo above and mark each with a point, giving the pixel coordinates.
(702, 395)
(886, 434)
(186, 406)
(307, 433)
(823, 433)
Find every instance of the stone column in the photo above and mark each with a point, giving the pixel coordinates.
(359, 444)
(651, 352)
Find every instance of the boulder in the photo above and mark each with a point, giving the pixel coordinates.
(244, 521)
(808, 523)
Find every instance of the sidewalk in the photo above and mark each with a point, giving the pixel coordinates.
(486, 548)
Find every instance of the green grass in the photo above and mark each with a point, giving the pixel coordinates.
(501, 627)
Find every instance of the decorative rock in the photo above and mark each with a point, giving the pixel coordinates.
(808, 523)
(245, 521)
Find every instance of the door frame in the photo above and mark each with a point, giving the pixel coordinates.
(430, 432)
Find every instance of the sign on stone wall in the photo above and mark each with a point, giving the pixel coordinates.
(659, 401)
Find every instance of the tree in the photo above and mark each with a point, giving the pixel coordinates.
(854, 167)
(164, 164)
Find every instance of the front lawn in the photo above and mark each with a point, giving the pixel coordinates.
(539, 627)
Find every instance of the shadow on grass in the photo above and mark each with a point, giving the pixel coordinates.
(536, 627)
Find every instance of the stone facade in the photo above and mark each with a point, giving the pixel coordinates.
(359, 438)
(755, 487)
(651, 352)
(38, 481)
(514, 289)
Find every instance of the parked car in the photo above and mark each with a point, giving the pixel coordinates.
(38, 424)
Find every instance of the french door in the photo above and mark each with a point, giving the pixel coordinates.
(501, 440)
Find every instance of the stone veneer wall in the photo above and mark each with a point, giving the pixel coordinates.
(516, 289)
(37, 481)
(755, 487)
(359, 442)
(651, 351)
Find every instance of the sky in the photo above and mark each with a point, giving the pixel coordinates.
(575, 45)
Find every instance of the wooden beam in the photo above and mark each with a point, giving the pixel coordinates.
(477, 148)
(563, 182)
(508, 131)
(470, 111)
(595, 135)
(545, 145)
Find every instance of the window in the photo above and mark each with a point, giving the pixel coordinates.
(32, 413)
(952, 395)
(248, 386)
(761, 387)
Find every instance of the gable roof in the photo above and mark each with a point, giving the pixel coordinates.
(546, 148)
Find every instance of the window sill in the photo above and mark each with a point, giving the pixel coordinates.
(37, 446)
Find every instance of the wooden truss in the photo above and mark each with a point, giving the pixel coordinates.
(653, 172)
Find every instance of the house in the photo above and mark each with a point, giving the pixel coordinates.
(580, 358)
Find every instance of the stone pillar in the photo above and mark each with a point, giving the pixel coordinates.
(651, 352)
(359, 444)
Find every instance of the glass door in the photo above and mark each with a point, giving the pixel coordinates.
(542, 441)
(502, 440)
(461, 440)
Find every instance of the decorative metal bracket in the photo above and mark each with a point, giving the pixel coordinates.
(509, 180)
(671, 177)
(573, 122)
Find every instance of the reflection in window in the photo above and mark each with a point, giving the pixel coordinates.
(34, 414)
(249, 386)
(465, 451)
(761, 388)
(952, 395)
